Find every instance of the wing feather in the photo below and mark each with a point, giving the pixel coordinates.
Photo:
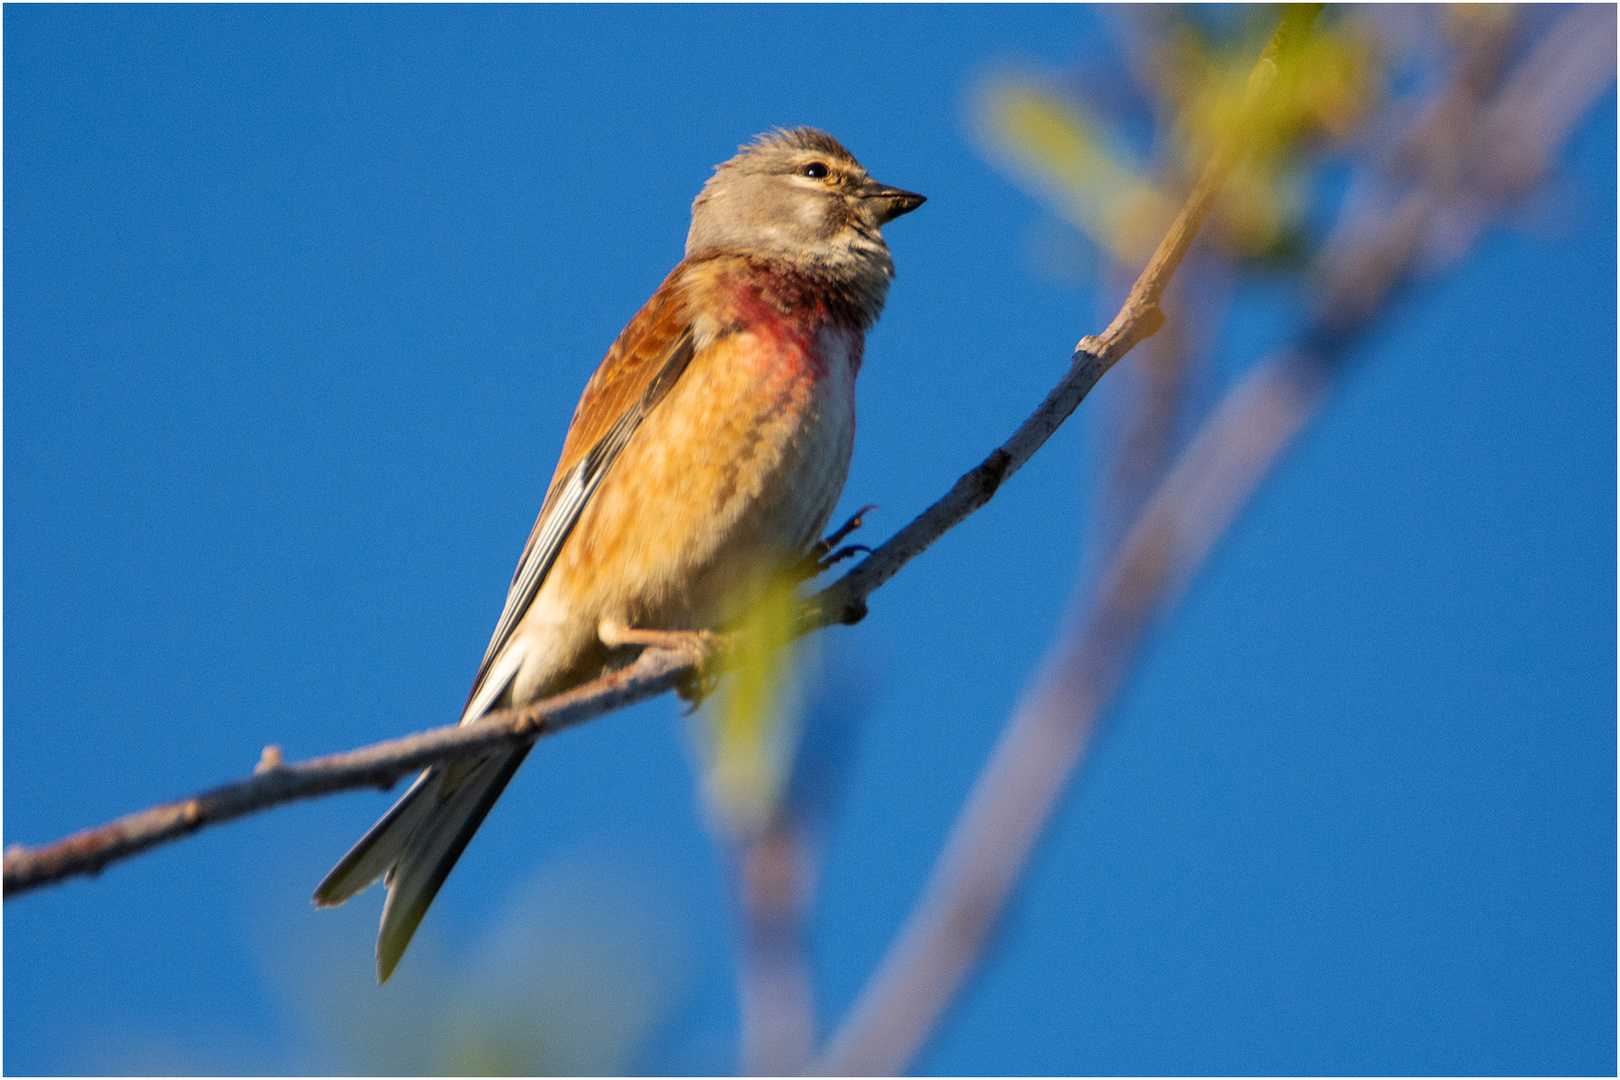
(638, 371)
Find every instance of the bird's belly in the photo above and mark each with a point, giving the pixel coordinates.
(727, 482)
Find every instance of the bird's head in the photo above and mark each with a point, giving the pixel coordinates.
(798, 194)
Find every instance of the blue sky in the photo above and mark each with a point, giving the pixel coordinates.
(297, 304)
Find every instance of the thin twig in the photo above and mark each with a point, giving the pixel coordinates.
(377, 765)
(1139, 439)
(1139, 318)
(1016, 793)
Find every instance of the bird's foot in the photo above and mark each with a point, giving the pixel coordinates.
(699, 646)
(828, 554)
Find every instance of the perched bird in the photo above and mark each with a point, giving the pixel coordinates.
(704, 458)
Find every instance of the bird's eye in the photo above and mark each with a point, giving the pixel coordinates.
(815, 170)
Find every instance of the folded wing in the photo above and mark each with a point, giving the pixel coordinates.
(417, 843)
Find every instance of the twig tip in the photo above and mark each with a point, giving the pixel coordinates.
(269, 760)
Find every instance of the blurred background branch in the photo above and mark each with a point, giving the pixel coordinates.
(1481, 143)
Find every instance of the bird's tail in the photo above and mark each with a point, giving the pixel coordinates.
(417, 843)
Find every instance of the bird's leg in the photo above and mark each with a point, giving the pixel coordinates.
(823, 557)
(700, 646)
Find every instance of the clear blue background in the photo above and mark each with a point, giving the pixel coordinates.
(297, 303)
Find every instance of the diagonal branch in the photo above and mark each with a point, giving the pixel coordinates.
(1016, 792)
(658, 670)
(1139, 318)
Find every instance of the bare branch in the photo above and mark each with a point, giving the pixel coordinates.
(657, 670)
(1140, 317)
(1146, 405)
(378, 765)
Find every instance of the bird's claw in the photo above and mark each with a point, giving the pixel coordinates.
(696, 685)
(845, 552)
(705, 648)
(823, 556)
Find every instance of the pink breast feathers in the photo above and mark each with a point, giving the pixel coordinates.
(806, 323)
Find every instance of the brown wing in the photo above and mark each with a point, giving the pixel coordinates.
(646, 360)
(629, 368)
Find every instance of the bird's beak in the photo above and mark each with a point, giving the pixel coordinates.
(888, 202)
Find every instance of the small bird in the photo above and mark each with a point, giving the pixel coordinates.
(703, 461)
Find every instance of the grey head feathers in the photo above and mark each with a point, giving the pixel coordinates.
(811, 139)
(796, 194)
